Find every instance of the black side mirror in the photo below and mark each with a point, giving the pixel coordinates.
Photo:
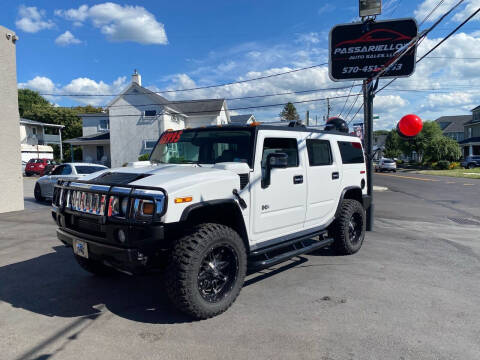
(274, 160)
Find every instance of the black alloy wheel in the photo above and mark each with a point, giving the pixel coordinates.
(37, 192)
(355, 228)
(218, 273)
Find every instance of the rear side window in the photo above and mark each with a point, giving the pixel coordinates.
(85, 169)
(319, 152)
(351, 152)
(281, 145)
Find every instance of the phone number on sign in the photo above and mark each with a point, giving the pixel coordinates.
(368, 69)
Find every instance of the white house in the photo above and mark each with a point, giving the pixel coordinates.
(35, 138)
(242, 119)
(134, 120)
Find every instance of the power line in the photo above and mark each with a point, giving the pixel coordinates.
(441, 42)
(93, 115)
(346, 100)
(201, 87)
(431, 12)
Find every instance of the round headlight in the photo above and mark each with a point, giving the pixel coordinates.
(124, 205)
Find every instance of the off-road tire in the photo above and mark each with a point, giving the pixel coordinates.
(37, 192)
(94, 267)
(339, 230)
(183, 269)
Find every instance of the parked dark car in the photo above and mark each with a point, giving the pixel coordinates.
(471, 161)
(38, 166)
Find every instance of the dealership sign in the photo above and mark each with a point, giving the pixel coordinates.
(358, 51)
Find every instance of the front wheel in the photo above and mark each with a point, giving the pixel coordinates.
(348, 229)
(37, 192)
(206, 270)
(471, 166)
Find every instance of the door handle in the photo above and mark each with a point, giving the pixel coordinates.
(335, 175)
(298, 179)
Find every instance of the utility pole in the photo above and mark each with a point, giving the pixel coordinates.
(307, 117)
(328, 108)
(368, 95)
(316, 120)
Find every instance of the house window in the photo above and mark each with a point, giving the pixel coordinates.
(469, 132)
(34, 131)
(150, 113)
(148, 145)
(100, 152)
(103, 125)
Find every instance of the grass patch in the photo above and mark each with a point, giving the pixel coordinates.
(460, 173)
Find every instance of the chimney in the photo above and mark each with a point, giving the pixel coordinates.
(136, 78)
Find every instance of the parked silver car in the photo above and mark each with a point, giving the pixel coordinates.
(386, 165)
(69, 171)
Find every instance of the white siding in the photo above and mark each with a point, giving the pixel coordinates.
(90, 124)
(128, 128)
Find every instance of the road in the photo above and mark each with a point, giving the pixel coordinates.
(410, 293)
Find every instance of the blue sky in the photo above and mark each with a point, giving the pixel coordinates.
(92, 47)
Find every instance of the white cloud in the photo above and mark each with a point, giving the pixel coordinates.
(79, 86)
(325, 9)
(30, 19)
(41, 84)
(428, 5)
(78, 15)
(67, 38)
(120, 23)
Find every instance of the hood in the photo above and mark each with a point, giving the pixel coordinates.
(170, 177)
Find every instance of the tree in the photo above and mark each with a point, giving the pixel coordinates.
(289, 112)
(36, 107)
(29, 100)
(430, 131)
(393, 147)
(443, 148)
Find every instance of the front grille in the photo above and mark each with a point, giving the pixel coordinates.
(243, 180)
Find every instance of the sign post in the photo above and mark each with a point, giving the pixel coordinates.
(369, 50)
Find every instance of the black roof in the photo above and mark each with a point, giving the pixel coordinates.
(98, 136)
(240, 119)
(455, 122)
(469, 140)
(198, 107)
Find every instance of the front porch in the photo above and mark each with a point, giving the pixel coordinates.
(95, 148)
(470, 146)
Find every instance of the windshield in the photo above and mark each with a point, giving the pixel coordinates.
(88, 169)
(204, 146)
(388, 161)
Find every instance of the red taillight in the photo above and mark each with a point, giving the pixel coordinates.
(362, 172)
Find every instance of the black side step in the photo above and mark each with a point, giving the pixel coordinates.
(273, 255)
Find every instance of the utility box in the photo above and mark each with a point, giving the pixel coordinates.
(11, 180)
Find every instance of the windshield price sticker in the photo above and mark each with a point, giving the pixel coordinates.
(170, 137)
(358, 51)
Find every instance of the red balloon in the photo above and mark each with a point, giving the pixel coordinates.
(410, 125)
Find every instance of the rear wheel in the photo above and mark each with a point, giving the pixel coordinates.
(37, 192)
(94, 267)
(206, 270)
(348, 229)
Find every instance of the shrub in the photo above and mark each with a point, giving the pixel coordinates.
(144, 157)
(443, 165)
(454, 165)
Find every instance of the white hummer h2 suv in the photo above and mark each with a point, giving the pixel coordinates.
(214, 201)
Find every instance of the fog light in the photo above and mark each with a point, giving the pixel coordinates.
(121, 236)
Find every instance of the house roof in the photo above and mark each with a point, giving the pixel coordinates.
(99, 138)
(199, 107)
(38, 123)
(470, 140)
(478, 107)
(240, 119)
(455, 122)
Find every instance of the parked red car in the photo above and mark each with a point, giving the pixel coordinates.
(38, 166)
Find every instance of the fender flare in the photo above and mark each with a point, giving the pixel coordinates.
(365, 201)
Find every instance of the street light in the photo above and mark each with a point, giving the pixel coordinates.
(370, 7)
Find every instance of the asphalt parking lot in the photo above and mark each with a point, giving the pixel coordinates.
(412, 292)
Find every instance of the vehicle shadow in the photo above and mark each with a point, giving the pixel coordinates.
(54, 285)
